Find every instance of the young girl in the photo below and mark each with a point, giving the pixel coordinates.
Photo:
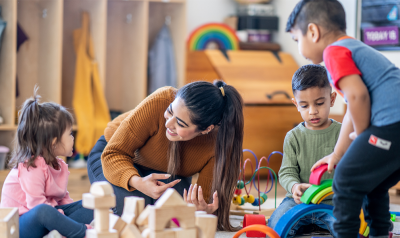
(37, 183)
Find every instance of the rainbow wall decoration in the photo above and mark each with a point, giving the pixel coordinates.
(221, 34)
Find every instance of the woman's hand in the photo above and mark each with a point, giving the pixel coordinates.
(150, 185)
(198, 201)
(298, 190)
(60, 211)
(332, 160)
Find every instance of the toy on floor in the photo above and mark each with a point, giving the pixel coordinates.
(264, 229)
(240, 200)
(101, 198)
(154, 221)
(250, 220)
(311, 199)
(9, 223)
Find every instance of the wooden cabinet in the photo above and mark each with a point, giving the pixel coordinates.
(122, 33)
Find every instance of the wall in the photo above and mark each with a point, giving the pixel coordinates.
(205, 11)
(283, 9)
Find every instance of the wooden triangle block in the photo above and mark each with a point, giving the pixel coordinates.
(170, 198)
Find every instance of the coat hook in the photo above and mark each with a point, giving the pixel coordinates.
(128, 18)
(168, 20)
(44, 13)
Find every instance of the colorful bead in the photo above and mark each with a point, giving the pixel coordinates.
(235, 200)
(249, 198)
(263, 195)
(242, 202)
(240, 184)
(256, 202)
(238, 191)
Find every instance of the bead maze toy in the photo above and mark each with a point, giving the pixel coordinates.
(311, 199)
(154, 221)
(239, 200)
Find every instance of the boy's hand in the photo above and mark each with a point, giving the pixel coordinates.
(332, 160)
(298, 189)
(353, 135)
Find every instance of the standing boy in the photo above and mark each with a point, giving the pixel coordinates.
(369, 142)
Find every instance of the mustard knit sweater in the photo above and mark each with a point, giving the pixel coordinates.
(139, 137)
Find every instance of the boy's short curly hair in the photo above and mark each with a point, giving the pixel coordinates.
(326, 13)
(309, 76)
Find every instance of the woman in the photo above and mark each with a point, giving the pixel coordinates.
(196, 129)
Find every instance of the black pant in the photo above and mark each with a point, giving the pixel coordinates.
(95, 172)
(366, 170)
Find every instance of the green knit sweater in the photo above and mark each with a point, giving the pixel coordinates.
(301, 149)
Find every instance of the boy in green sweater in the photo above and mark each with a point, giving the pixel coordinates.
(308, 142)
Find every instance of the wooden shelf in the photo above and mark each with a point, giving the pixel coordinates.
(176, 10)
(126, 76)
(39, 58)
(8, 61)
(98, 26)
(122, 32)
(8, 127)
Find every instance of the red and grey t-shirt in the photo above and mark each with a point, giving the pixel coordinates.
(348, 56)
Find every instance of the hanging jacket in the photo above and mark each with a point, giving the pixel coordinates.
(162, 65)
(89, 103)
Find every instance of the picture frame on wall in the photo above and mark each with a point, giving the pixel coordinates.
(379, 22)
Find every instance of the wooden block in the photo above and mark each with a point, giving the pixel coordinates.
(9, 223)
(142, 228)
(131, 231)
(91, 233)
(200, 213)
(171, 224)
(184, 233)
(144, 216)
(146, 233)
(101, 220)
(92, 202)
(133, 206)
(207, 224)
(170, 198)
(101, 189)
(160, 217)
(117, 223)
(163, 234)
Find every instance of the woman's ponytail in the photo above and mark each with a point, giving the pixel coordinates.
(228, 152)
(220, 105)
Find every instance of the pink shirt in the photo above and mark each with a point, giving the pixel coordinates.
(41, 185)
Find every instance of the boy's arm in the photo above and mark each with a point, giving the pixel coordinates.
(359, 104)
(289, 171)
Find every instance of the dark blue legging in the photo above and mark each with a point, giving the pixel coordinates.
(366, 170)
(95, 172)
(43, 218)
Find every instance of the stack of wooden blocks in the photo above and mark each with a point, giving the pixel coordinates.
(154, 221)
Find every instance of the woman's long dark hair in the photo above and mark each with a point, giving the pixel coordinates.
(38, 125)
(208, 106)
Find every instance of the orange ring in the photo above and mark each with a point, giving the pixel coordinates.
(325, 196)
(261, 228)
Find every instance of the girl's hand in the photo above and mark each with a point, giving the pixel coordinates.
(61, 211)
(150, 185)
(198, 201)
(332, 160)
(298, 189)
